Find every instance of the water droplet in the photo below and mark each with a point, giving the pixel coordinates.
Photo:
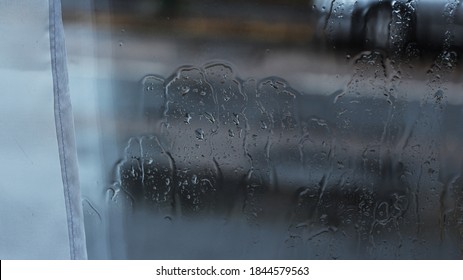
(185, 90)
(187, 118)
(199, 134)
(263, 125)
(439, 95)
(236, 119)
(194, 179)
(209, 117)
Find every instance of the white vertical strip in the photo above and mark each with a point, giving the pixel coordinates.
(33, 222)
(65, 135)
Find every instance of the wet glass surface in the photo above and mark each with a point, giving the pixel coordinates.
(268, 129)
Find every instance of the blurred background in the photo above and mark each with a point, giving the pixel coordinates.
(268, 129)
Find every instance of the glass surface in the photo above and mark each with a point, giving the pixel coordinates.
(269, 129)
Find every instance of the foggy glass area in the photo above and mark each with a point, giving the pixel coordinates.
(269, 129)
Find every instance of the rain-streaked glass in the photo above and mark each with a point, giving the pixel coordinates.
(269, 129)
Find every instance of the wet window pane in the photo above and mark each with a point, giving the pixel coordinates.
(269, 129)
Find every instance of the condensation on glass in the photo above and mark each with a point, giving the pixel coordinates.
(345, 144)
